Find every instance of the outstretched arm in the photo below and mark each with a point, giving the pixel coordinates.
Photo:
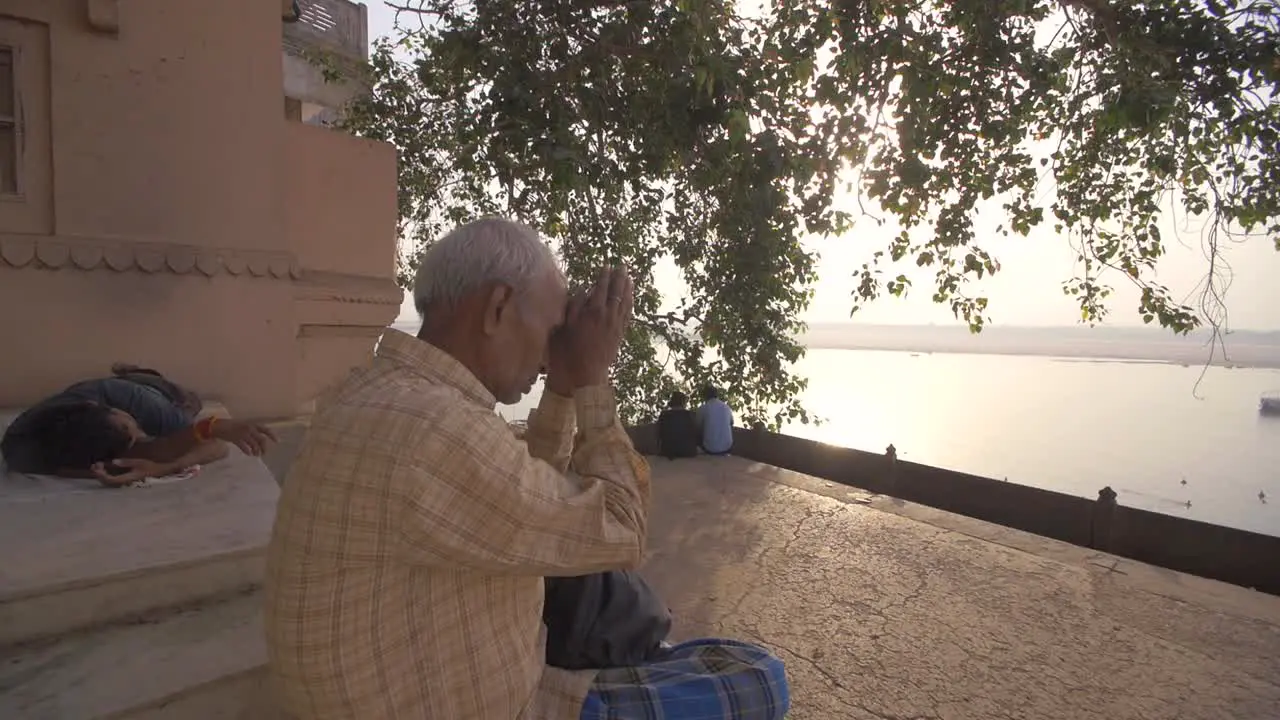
(203, 442)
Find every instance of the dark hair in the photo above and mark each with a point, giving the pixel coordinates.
(678, 400)
(710, 393)
(77, 435)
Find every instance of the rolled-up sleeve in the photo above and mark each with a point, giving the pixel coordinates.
(550, 431)
(480, 500)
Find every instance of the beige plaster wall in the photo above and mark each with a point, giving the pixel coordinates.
(341, 221)
(338, 186)
(176, 230)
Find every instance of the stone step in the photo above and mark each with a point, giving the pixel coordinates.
(74, 554)
(207, 662)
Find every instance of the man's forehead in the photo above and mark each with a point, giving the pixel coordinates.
(552, 294)
(556, 286)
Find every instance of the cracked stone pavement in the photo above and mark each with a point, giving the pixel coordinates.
(884, 610)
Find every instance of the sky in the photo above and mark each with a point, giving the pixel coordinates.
(1028, 289)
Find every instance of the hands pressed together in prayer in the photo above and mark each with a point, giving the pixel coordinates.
(586, 346)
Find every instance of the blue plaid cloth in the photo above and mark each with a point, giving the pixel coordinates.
(698, 680)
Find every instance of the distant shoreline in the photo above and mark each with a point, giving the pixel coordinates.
(1254, 350)
(1246, 349)
(1118, 356)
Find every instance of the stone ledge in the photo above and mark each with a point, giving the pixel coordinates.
(76, 554)
(197, 663)
(50, 612)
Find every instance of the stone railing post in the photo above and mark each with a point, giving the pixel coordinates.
(891, 459)
(1103, 520)
(754, 441)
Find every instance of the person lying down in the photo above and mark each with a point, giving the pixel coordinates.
(134, 425)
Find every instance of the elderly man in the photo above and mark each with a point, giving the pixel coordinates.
(405, 572)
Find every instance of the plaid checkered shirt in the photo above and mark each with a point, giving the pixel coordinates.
(404, 574)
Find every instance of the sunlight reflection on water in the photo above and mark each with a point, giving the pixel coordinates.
(1062, 425)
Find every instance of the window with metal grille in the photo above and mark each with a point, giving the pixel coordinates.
(8, 123)
(26, 168)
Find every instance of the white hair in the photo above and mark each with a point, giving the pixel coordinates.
(488, 250)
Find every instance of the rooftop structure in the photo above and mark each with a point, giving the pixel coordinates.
(325, 43)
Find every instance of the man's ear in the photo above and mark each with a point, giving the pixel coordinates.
(497, 307)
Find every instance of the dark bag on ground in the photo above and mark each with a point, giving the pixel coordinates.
(605, 620)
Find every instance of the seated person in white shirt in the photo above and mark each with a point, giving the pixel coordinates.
(715, 423)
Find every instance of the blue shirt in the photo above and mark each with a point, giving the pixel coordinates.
(156, 415)
(715, 420)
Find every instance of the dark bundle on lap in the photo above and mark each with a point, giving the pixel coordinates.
(611, 619)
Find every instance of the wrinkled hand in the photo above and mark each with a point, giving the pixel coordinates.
(135, 470)
(559, 370)
(251, 438)
(595, 324)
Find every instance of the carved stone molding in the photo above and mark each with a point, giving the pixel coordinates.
(58, 253)
(319, 286)
(358, 332)
(39, 252)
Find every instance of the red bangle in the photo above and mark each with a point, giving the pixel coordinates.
(204, 428)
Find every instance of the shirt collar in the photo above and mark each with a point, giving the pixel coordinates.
(422, 358)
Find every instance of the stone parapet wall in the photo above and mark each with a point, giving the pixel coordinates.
(1212, 551)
